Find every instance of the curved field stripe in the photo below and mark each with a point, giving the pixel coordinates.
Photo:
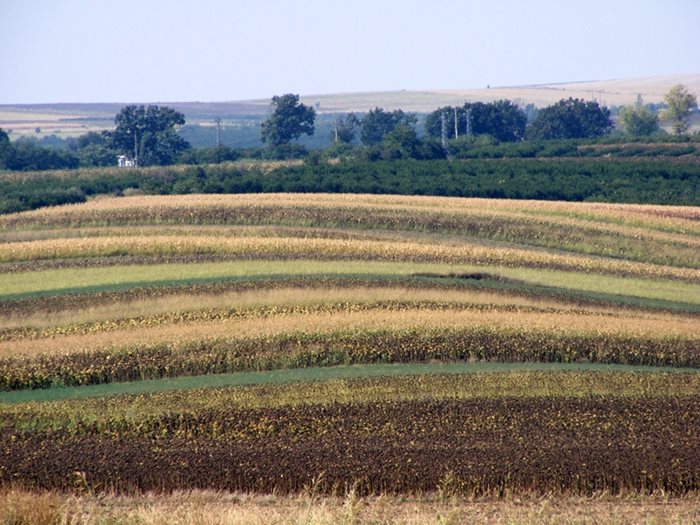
(313, 374)
(335, 249)
(477, 282)
(87, 280)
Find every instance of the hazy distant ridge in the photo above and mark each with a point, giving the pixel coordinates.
(74, 118)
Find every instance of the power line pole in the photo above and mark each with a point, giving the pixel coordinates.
(136, 150)
(218, 131)
(456, 124)
(443, 122)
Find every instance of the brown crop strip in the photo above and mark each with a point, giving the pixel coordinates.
(300, 350)
(577, 446)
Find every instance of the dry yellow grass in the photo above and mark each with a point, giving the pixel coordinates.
(212, 508)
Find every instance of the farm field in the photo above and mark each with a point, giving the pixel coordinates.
(75, 119)
(355, 346)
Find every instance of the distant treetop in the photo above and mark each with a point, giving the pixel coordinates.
(571, 118)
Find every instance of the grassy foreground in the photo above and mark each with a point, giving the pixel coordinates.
(440, 508)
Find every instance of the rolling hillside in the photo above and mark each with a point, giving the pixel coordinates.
(75, 119)
(255, 342)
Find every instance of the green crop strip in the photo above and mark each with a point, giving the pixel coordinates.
(89, 280)
(317, 374)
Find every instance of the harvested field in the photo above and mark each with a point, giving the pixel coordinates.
(488, 445)
(327, 291)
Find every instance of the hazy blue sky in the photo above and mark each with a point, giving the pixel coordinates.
(160, 51)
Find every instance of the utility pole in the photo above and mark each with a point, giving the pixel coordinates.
(456, 124)
(136, 149)
(469, 118)
(443, 121)
(218, 131)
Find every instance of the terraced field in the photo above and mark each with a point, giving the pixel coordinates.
(373, 344)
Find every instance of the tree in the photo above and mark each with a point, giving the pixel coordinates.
(502, 119)
(680, 105)
(400, 143)
(91, 138)
(96, 155)
(149, 134)
(94, 148)
(571, 119)
(5, 148)
(433, 122)
(345, 129)
(289, 120)
(638, 120)
(27, 156)
(378, 123)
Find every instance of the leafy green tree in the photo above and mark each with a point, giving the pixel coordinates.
(680, 105)
(5, 148)
(571, 119)
(289, 120)
(96, 155)
(94, 149)
(345, 129)
(433, 122)
(400, 143)
(91, 138)
(638, 120)
(27, 156)
(378, 123)
(502, 119)
(149, 134)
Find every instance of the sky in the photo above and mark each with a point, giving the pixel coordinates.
(169, 51)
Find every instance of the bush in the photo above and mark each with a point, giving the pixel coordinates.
(659, 181)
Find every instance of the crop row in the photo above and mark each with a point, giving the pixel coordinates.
(142, 414)
(671, 250)
(228, 313)
(478, 282)
(333, 249)
(303, 349)
(237, 208)
(586, 234)
(541, 445)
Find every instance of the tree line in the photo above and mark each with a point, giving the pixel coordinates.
(502, 121)
(656, 181)
(148, 135)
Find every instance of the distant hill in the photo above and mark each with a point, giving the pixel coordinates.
(608, 92)
(75, 119)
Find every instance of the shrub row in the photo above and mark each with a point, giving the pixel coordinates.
(609, 180)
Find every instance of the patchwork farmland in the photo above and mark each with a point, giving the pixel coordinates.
(364, 344)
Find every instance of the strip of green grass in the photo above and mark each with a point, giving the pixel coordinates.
(89, 280)
(309, 374)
